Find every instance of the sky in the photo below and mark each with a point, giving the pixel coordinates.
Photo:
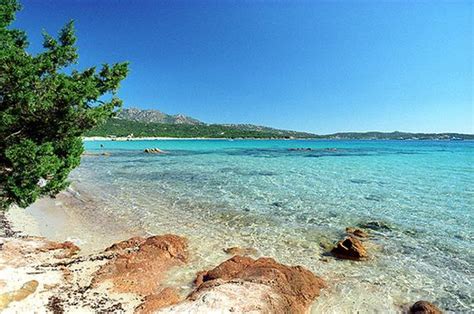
(317, 66)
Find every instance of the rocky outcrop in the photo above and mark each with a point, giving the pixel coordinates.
(424, 307)
(242, 284)
(235, 250)
(350, 248)
(140, 264)
(125, 277)
(154, 151)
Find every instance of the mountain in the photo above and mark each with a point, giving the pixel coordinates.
(123, 128)
(154, 123)
(154, 116)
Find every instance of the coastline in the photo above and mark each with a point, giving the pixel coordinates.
(55, 225)
(67, 218)
(151, 138)
(56, 265)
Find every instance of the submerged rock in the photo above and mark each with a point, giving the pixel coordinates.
(350, 248)
(357, 232)
(154, 151)
(424, 307)
(241, 251)
(376, 225)
(242, 284)
(140, 264)
(300, 149)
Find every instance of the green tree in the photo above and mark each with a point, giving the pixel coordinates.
(45, 107)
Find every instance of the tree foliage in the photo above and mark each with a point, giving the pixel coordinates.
(45, 107)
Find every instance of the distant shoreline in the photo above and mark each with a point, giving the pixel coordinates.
(153, 138)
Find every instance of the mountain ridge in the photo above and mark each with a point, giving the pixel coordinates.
(154, 123)
(154, 116)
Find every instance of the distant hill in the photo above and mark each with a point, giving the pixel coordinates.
(154, 123)
(121, 128)
(154, 116)
(399, 136)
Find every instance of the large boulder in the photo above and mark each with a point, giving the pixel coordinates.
(140, 264)
(350, 248)
(242, 284)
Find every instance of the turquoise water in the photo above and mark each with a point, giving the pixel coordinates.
(288, 204)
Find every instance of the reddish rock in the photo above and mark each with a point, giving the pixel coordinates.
(240, 251)
(154, 302)
(141, 269)
(68, 248)
(130, 244)
(200, 277)
(357, 232)
(350, 248)
(295, 286)
(424, 307)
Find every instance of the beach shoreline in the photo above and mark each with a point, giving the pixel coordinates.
(58, 220)
(43, 281)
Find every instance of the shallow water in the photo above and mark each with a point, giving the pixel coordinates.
(286, 203)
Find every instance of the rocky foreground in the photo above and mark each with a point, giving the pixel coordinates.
(48, 276)
(37, 273)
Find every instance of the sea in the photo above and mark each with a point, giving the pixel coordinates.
(293, 199)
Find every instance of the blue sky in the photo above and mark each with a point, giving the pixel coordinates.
(306, 65)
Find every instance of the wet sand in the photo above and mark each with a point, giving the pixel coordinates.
(71, 216)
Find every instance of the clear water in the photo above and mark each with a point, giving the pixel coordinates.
(284, 203)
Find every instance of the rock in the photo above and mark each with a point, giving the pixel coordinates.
(154, 302)
(68, 248)
(241, 251)
(376, 225)
(127, 245)
(18, 295)
(357, 232)
(200, 277)
(242, 284)
(326, 244)
(238, 297)
(424, 307)
(350, 248)
(154, 151)
(300, 149)
(139, 266)
(96, 154)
